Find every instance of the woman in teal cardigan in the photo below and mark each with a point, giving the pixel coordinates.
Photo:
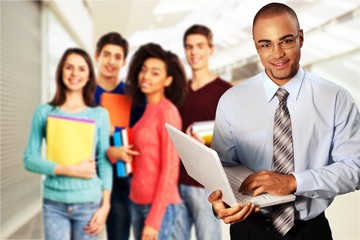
(76, 198)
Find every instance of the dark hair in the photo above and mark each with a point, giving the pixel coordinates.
(115, 39)
(199, 29)
(89, 89)
(175, 92)
(275, 9)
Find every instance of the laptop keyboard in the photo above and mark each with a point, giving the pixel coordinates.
(235, 184)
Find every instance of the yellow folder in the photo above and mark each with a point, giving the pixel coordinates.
(69, 140)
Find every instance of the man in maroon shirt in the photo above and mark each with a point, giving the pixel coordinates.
(204, 91)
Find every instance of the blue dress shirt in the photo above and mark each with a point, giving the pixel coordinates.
(326, 135)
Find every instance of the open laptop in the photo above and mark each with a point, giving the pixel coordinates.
(203, 164)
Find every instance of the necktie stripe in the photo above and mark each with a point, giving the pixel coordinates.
(283, 159)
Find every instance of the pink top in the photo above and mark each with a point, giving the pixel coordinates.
(156, 169)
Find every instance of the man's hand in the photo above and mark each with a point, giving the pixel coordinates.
(268, 182)
(228, 214)
(189, 132)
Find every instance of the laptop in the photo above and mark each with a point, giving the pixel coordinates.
(203, 164)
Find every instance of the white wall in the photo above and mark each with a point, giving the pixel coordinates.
(76, 17)
(344, 217)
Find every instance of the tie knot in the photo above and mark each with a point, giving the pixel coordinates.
(282, 94)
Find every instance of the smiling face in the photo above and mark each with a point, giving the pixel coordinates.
(110, 60)
(280, 64)
(75, 73)
(153, 79)
(197, 51)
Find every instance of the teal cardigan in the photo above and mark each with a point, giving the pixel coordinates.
(63, 188)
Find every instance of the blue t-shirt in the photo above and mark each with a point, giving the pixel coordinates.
(120, 89)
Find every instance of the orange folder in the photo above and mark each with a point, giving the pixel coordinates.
(119, 108)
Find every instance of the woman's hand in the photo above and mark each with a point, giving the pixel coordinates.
(149, 233)
(98, 221)
(84, 169)
(124, 153)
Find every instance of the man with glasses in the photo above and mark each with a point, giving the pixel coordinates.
(298, 132)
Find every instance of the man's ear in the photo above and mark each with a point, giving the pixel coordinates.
(301, 37)
(256, 47)
(211, 50)
(123, 62)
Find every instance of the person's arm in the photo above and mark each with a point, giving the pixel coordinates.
(98, 220)
(169, 171)
(222, 141)
(103, 143)
(32, 154)
(342, 175)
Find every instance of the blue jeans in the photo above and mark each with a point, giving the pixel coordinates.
(139, 213)
(65, 221)
(195, 209)
(119, 219)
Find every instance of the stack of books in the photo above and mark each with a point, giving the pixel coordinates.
(121, 138)
(204, 129)
(119, 108)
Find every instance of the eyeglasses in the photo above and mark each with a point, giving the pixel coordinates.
(268, 47)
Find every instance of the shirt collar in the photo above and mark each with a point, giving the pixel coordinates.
(293, 86)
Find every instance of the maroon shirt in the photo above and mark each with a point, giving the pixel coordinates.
(200, 105)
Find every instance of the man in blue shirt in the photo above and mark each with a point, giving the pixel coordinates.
(325, 135)
(110, 56)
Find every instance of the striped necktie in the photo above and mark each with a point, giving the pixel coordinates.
(283, 158)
